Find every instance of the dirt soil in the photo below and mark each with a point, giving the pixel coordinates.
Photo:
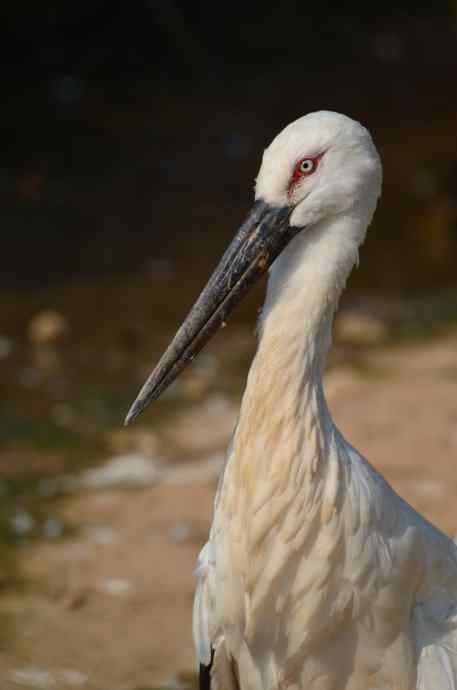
(114, 602)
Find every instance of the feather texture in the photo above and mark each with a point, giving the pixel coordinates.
(317, 575)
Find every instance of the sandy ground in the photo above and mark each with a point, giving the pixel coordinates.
(113, 604)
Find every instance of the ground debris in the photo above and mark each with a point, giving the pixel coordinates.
(129, 470)
(133, 470)
(36, 677)
(116, 586)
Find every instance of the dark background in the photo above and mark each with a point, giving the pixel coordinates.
(131, 133)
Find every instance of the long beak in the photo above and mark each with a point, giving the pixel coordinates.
(258, 242)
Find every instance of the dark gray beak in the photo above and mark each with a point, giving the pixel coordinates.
(261, 238)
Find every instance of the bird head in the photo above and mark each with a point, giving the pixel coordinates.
(320, 166)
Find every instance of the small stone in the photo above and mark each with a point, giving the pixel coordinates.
(32, 677)
(115, 585)
(22, 523)
(47, 327)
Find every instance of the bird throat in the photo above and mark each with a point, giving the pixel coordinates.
(284, 419)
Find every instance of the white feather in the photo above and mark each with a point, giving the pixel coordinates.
(317, 575)
(202, 608)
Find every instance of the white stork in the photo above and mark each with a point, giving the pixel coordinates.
(316, 574)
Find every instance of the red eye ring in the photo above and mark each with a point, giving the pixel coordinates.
(304, 168)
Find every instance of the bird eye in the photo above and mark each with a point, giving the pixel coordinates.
(307, 166)
(304, 168)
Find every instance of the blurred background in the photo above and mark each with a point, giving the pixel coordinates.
(130, 138)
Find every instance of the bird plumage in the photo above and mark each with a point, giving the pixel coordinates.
(317, 575)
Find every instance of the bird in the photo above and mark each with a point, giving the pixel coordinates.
(316, 574)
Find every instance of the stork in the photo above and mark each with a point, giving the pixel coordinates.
(316, 574)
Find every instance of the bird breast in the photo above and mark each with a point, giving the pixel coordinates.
(312, 573)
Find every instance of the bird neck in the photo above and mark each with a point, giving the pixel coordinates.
(284, 416)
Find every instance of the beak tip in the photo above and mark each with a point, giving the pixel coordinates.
(133, 413)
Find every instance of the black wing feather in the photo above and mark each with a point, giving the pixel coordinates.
(204, 676)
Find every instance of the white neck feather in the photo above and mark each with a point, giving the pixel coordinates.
(284, 416)
(286, 475)
(308, 278)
